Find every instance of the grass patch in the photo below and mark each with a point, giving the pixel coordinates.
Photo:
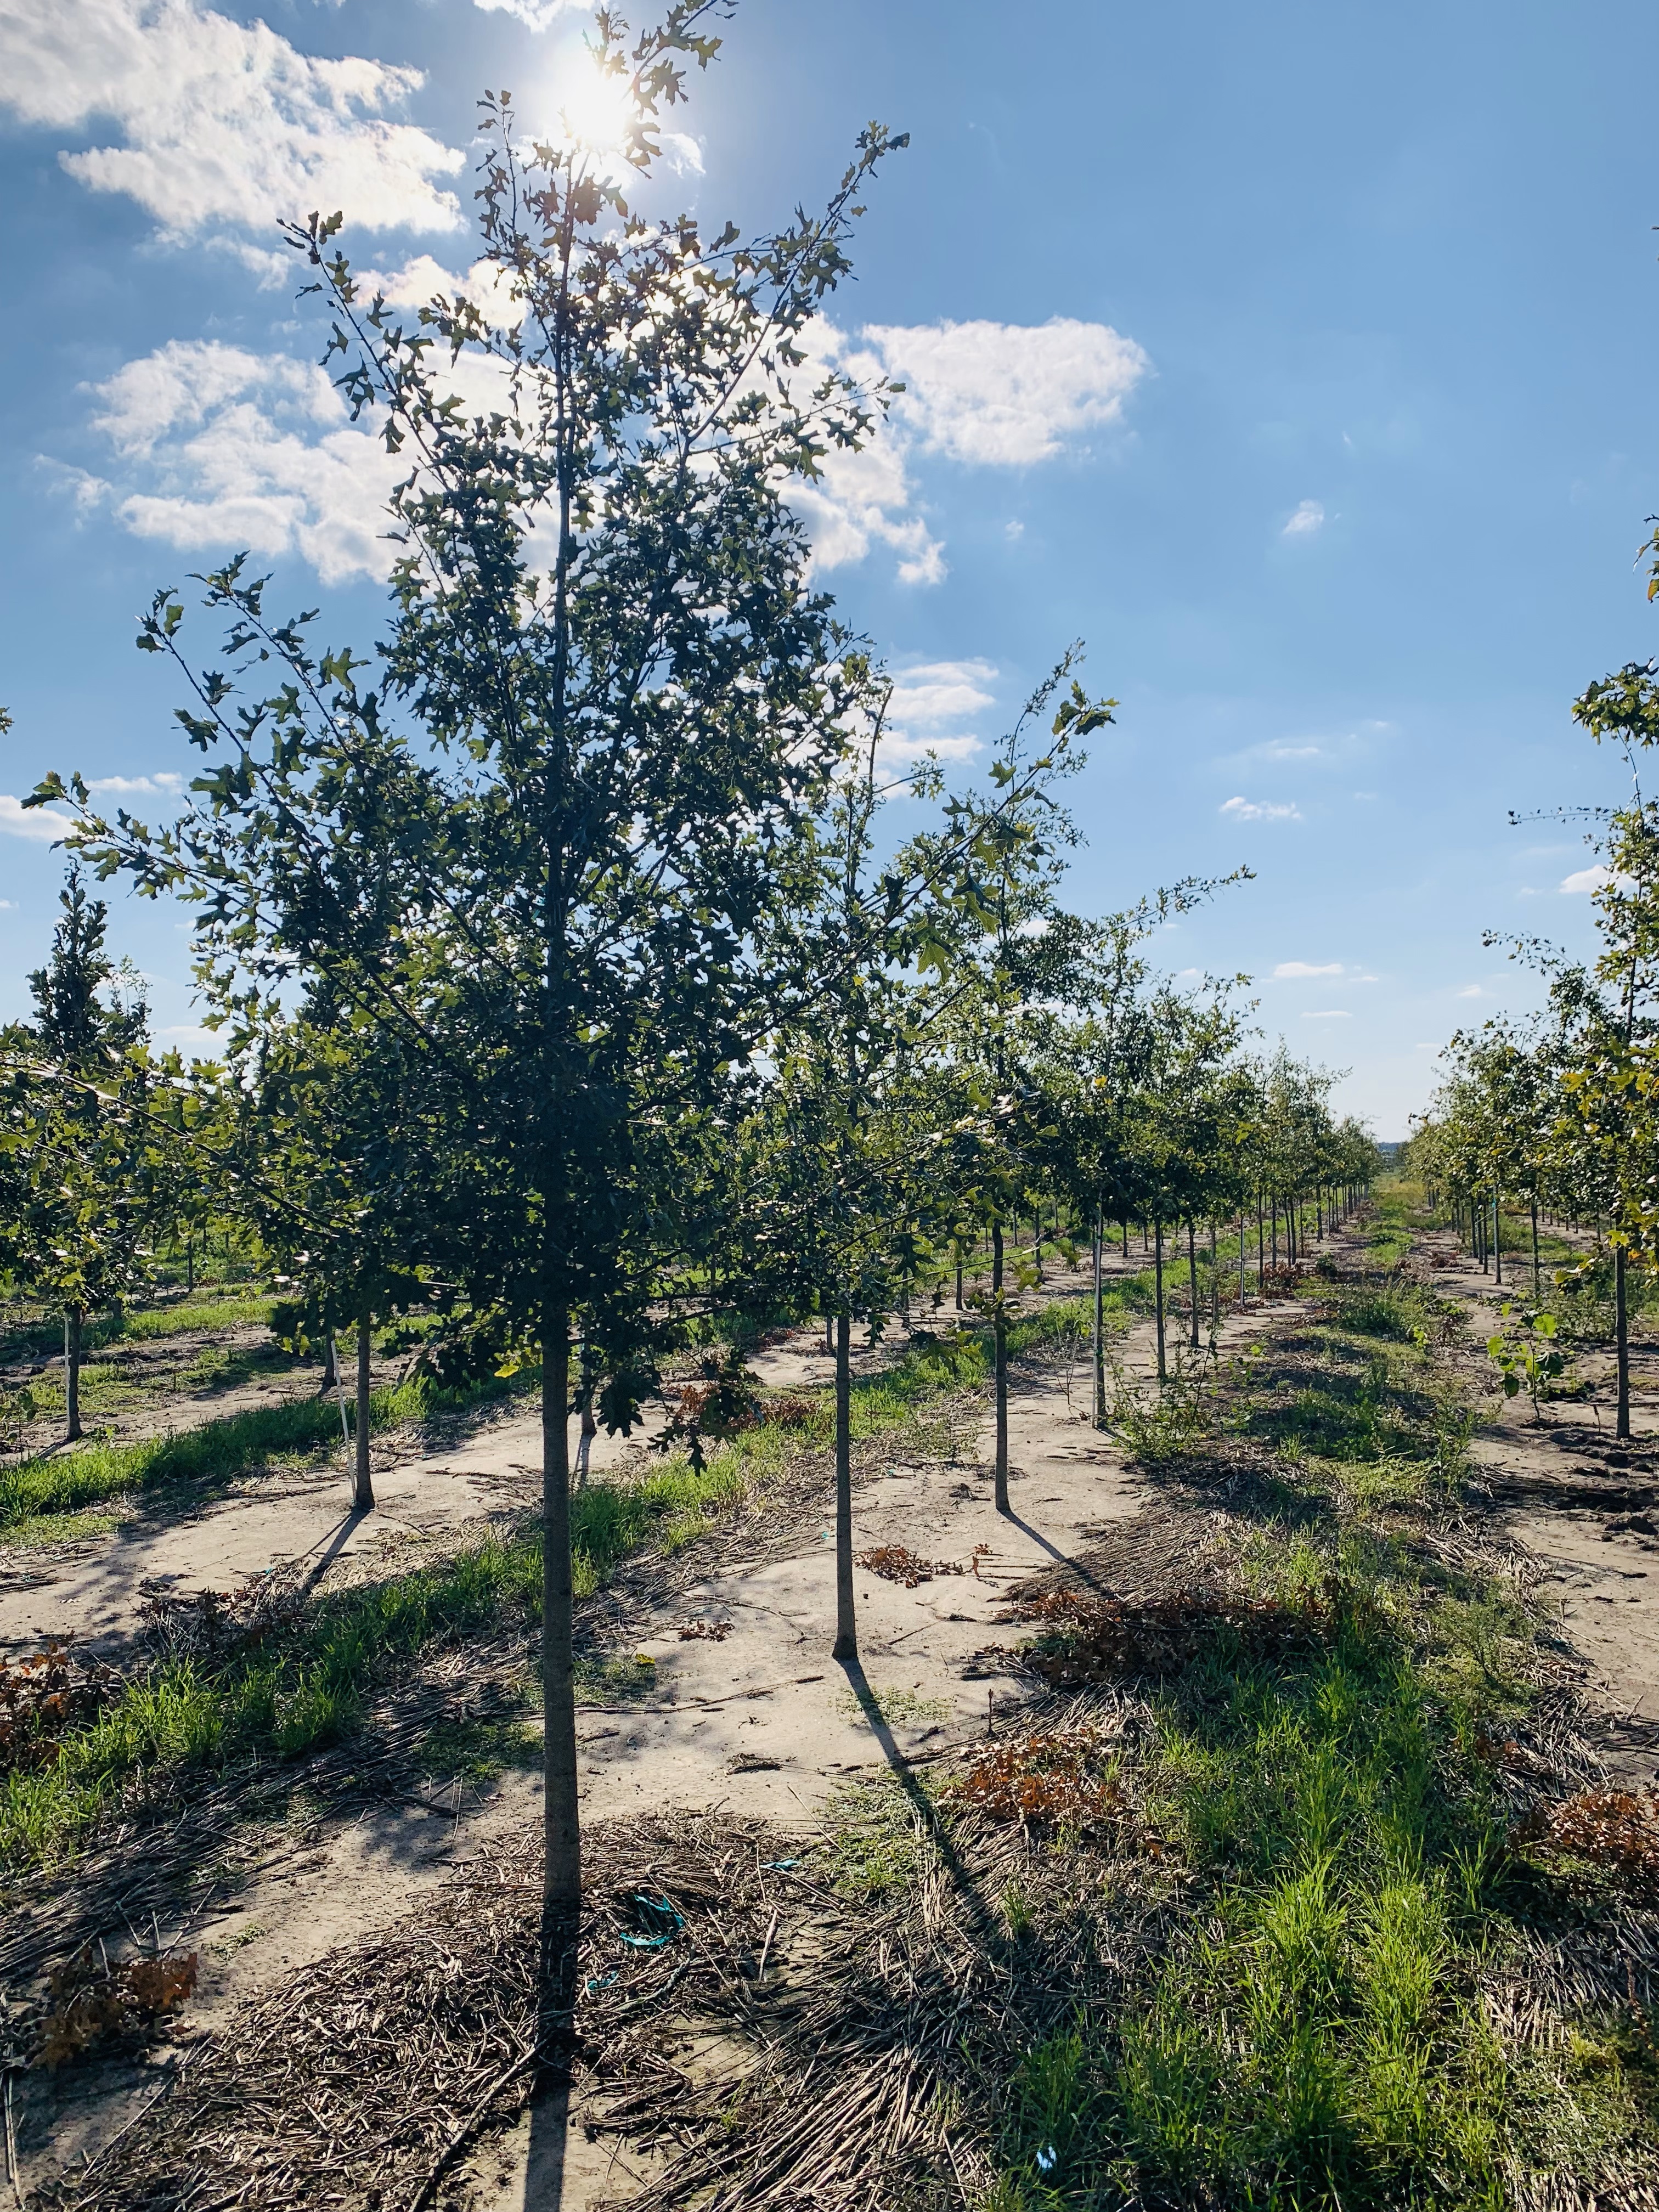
(477, 1752)
(1312, 2034)
(36, 1336)
(875, 1842)
(898, 1708)
(313, 1687)
(203, 1459)
(284, 1700)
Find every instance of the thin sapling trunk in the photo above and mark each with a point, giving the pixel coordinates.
(1100, 1321)
(362, 1494)
(1000, 1344)
(1621, 1326)
(1157, 1295)
(72, 1373)
(561, 1834)
(1192, 1282)
(847, 1630)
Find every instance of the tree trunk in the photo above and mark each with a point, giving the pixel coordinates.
(1261, 1246)
(190, 1266)
(1274, 1235)
(1157, 1295)
(1126, 1236)
(72, 1373)
(1192, 1281)
(1100, 1321)
(846, 1648)
(1497, 1235)
(1000, 1345)
(1621, 1324)
(959, 1276)
(560, 1817)
(1536, 1292)
(1215, 1288)
(330, 1372)
(362, 1494)
(1243, 1300)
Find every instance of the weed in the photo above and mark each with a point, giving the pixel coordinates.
(1161, 1421)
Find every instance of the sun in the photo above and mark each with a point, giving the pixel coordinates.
(595, 111)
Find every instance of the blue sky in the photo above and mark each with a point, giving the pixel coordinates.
(1298, 359)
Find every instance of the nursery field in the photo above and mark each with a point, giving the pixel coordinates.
(1257, 1806)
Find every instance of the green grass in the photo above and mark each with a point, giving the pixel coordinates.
(1310, 2035)
(314, 1687)
(41, 1336)
(278, 1703)
(201, 1460)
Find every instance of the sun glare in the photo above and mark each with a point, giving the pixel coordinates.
(595, 111)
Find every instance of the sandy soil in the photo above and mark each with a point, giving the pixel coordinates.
(760, 1720)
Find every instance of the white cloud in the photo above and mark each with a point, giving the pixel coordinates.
(164, 784)
(188, 1033)
(1472, 991)
(230, 448)
(1326, 1014)
(1013, 531)
(40, 822)
(1595, 879)
(930, 696)
(996, 395)
(1003, 394)
(1277, 750)
(9, 905)
(1308, 518)
(539, 14)
(1259, 810)
(1287, 968)
(221, 121)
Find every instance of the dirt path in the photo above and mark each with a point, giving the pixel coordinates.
(760, 1720)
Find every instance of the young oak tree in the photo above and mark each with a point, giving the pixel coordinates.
(544, 840)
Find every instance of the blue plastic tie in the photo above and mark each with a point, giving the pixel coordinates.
(654, 1908)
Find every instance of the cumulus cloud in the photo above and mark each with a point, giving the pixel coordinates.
(1470, 991)
(990, 395)
(538, 15)
(1259, 810)
(222, 122)
(1287, 968)
(1326, 1014)
(225, 448)
(162, 785)
(1005, 395)
(1308, 517)
(230, 447)
(930, 698)
(39, 823)
(1595, 879)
